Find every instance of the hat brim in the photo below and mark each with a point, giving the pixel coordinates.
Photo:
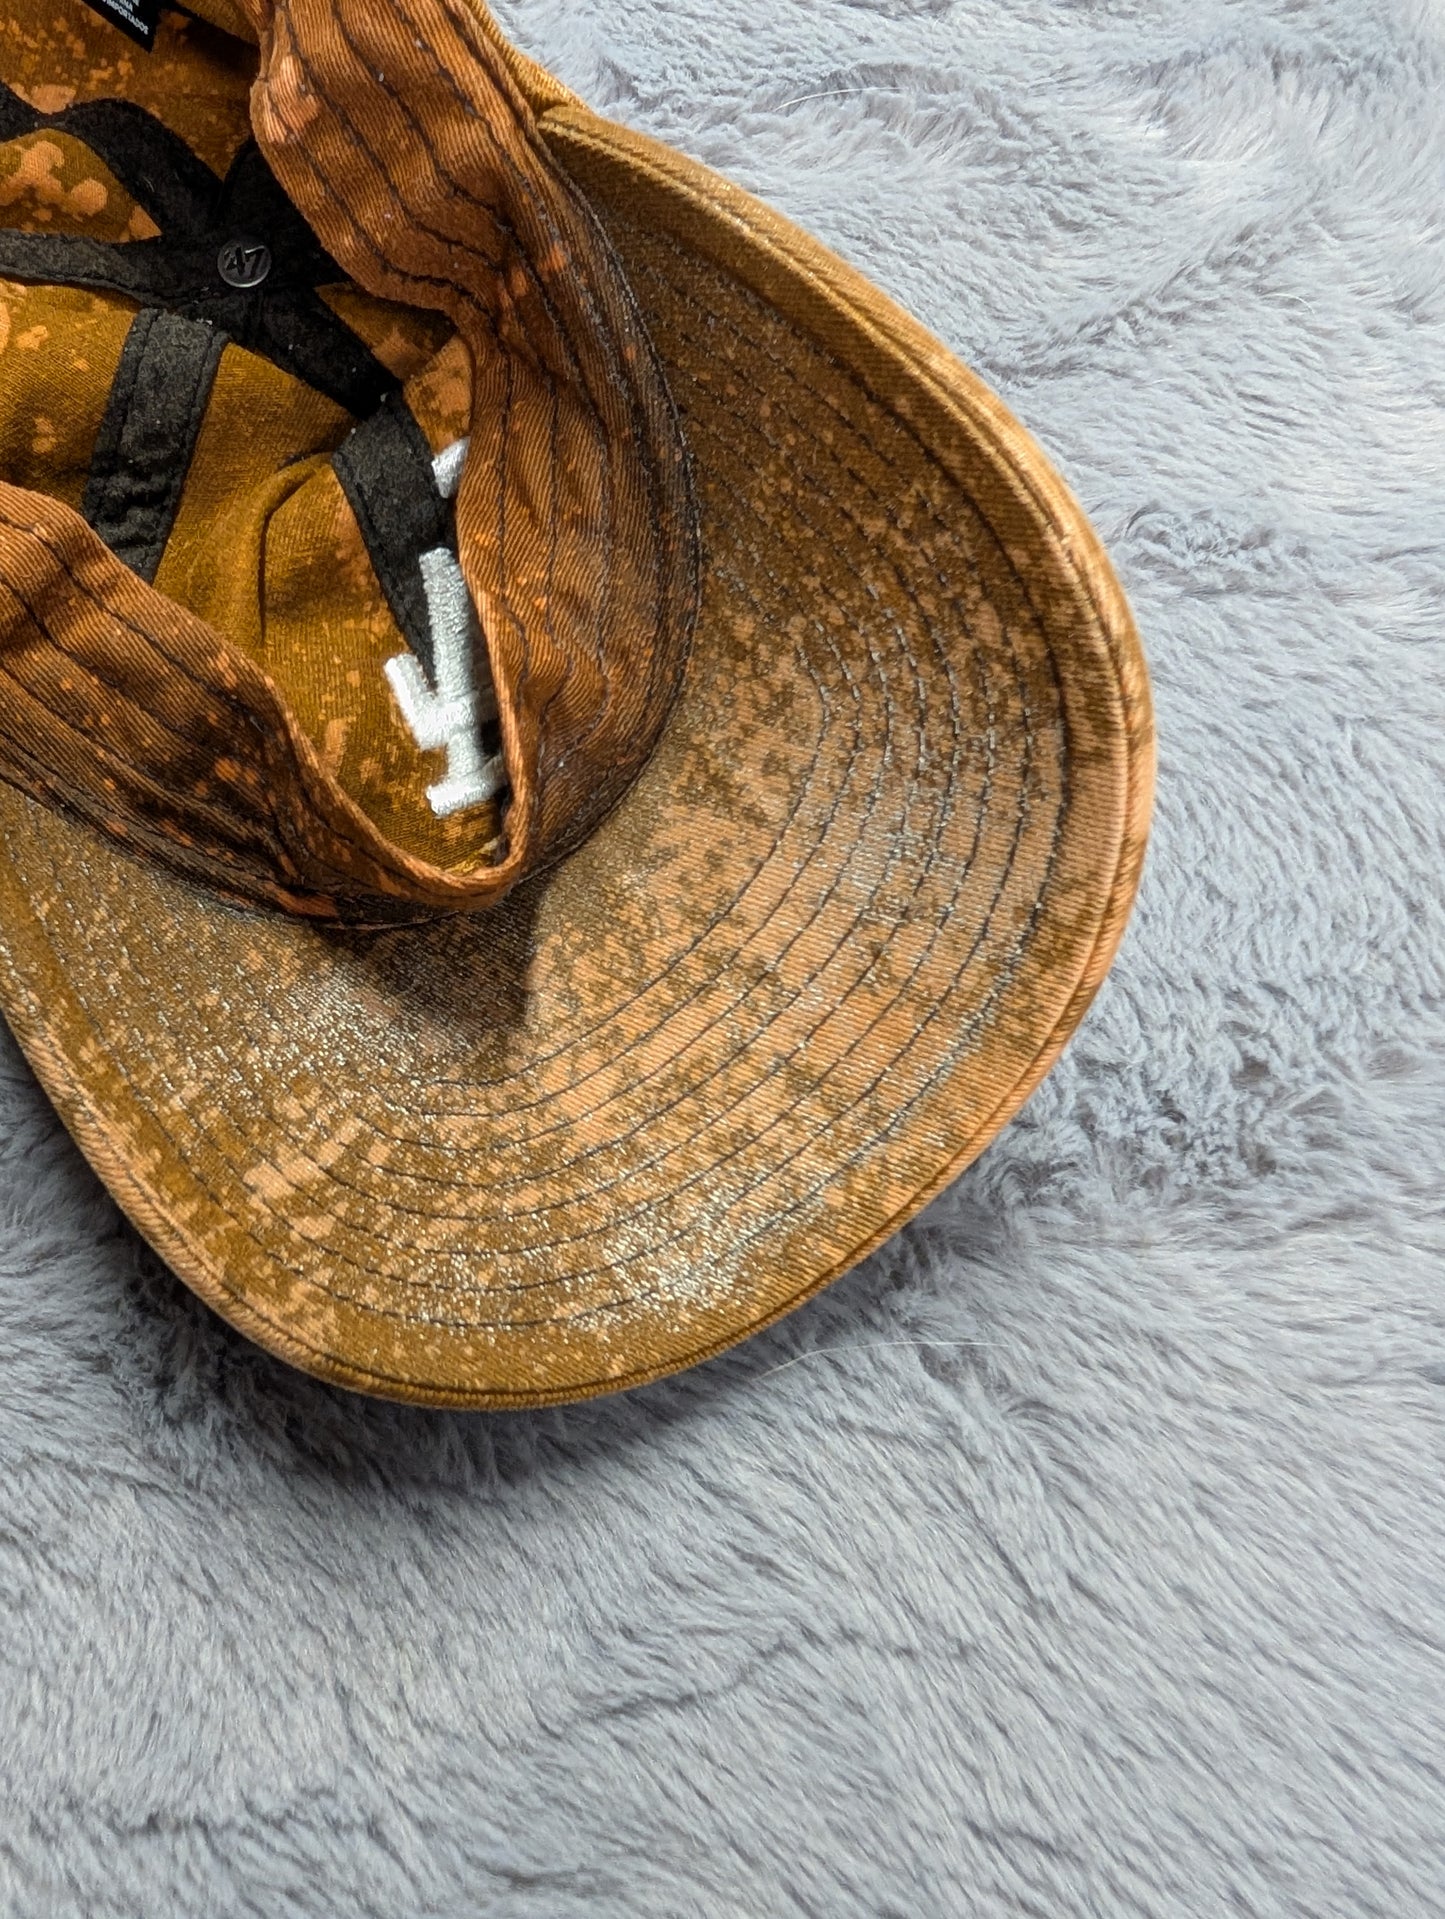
(821, 953)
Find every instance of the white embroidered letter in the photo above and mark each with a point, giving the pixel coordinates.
(447, 467)
(447, 715)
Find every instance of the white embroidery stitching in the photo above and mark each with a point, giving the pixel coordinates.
(447, 467)
(447, 715)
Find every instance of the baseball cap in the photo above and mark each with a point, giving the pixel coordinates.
(564, 766)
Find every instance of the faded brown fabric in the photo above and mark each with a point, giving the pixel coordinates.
(51, 178)
(229, 15)
(575, 522)
(821, 949)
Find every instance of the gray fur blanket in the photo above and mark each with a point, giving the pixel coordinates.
(1084, 1552)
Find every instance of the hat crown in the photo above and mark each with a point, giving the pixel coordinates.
(541, 568)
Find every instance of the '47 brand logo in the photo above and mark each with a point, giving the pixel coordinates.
(244, 263)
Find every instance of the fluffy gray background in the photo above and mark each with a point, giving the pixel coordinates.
(1081, 1554)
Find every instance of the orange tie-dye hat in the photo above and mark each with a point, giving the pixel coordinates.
(565, 766)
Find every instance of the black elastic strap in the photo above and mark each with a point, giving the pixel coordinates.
(154, 165)
(148, 435)
(283, 318)
(297, 331)
(155, 270)
(385, 470)
(292, 326)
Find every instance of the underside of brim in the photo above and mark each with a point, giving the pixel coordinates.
(823, 950)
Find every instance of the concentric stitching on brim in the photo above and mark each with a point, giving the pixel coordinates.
(283, 1334)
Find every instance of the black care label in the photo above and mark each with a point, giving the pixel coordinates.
(135, 17)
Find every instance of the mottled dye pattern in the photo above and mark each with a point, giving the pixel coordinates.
(575, 523)
(58, 352)
(822, 949)
(402, 135)
(50, 183)
(55, 53)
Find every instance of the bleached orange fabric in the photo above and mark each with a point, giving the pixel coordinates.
(821, 949)
(432, 188)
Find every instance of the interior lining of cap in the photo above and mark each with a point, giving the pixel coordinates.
(185, 451)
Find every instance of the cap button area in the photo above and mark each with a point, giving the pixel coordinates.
(244, 262)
